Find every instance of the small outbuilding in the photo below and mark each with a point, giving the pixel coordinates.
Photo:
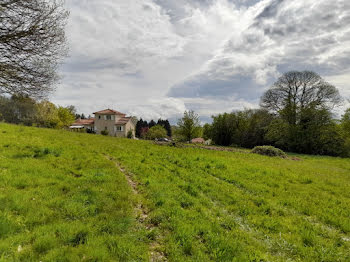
(198, 140)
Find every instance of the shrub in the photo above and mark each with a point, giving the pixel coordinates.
(156, 132)
(268, 151)
(130, 134)
(104, 132)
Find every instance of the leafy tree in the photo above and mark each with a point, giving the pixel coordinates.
(47, 115)
(189, 126)
(156, 132)
(317, 133)
(303, 102)
(207, 131)
(32, 43)
(222, 130)
(166, 125)
(245, 128)
(65, 116)
(345, 122)
(18, 109)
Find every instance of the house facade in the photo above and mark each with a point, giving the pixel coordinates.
(112, 122)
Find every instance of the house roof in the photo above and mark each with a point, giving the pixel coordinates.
(198, 140)
(82, 122)
(109, 112)
(123, 120)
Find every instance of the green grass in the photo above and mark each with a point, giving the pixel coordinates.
(62, 199)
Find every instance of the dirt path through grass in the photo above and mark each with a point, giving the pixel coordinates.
(141, 213)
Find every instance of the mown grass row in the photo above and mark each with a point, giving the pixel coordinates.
(228, 206)
(60, 197)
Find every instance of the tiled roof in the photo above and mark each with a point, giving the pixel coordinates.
(80, 122)
(123, 120)
(198, 140)
(109, 112)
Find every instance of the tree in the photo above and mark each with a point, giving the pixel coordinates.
(32, 43)
(139, 126)
(295, 91)
(345, 122)
(66, 117)
(303, 102)
(18, 109)
(47, 115)
(156, 131)
(189, 125)
(207, 131)
(222, 130)
(144, 132)
(166, 125)
(152, 123)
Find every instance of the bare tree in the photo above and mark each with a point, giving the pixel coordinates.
(32, 43)
(295, 91)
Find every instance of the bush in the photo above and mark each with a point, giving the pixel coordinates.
(104, 132)
(156, 132)
(268, 151)
(130, 134)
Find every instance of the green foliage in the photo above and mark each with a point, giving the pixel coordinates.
(315, 133)
(189, 126)
(104, 132)
(18, 109)
(302, 102)
(130, 134)
(51, 116)
(245, 128)
(156, 131)
(65, 116)
(268, 151)
(24, 110)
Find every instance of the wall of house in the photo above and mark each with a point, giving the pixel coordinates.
(120, 133)
(128, 126)
(102, 124)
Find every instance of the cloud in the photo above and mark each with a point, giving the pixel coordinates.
(157, 58)
(285, 35)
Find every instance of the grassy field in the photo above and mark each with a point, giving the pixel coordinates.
(78, 197)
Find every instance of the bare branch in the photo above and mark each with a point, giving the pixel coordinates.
(32, 44)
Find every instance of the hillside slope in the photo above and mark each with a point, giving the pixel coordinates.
(77, 197)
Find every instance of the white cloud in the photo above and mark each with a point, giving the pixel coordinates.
(211, 56)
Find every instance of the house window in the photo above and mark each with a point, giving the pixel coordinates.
(109, 117)
(105, 128)
(99, 117)
(120, 128)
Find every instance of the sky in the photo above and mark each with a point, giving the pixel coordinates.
(158, 58)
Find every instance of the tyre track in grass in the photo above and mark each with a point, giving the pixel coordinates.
(142, 214)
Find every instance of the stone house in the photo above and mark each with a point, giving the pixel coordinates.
(114, 122)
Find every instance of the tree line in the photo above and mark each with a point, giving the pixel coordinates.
(152, 129)
(21, 109)
(295, 114)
